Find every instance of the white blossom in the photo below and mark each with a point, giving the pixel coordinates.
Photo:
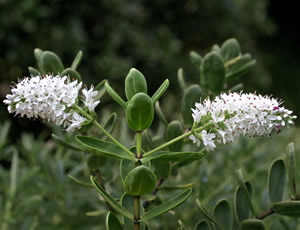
(89, 97)
(238, 114)
(47, 97)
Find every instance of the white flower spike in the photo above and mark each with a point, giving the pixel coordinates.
(50, 98)
(238, 114)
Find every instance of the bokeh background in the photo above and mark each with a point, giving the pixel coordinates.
(155, 37)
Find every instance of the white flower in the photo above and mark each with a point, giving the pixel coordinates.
(47, 97)
(75, 122)
(239, 114)
(89, 98)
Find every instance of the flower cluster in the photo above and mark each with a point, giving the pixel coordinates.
(50, 98)
(232, 115)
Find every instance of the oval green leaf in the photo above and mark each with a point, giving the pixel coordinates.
(115, 95)
(230, 49)
(135, 82)
(102, 148)
(139, 181)
(223, 214)
(252, 224)
(241, 205)
(51, 63)
(72, 73)
(167, 206)
(213, 72)
(276, 180)
(196, 58)
(191, 95)
(175, 129)
(160, 91)
(139, 112)
(77, 60)
(33, 71)
(287, 208)
(291, 167)
(112, 222)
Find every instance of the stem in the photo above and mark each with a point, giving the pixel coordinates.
(139, 144)
(103, 130)
(177, 139)
(136, 210)
(100, 182)
(265, 214)
(232, 61)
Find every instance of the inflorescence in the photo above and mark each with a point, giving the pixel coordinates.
(51, 98)
(232, 115)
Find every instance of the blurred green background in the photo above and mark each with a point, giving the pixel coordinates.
(156, 38)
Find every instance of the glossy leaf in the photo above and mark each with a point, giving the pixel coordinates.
(202, 225)
(213, 72)
(160, 91)
(230, 49)
(167, 206)
(276, 180)
(102, 148)
(77, 60)
(195, 58)
(113, 203)
(223, 214)
(51, 63)
(174, 156)
(72, 73)
(112, 222)
(291, 167)
(191, 95)
(115, 95)
(287, 208)
(252, 224)
(139, 112)
(135, 82)
(160, 114)
(175, 129)
(139, 181)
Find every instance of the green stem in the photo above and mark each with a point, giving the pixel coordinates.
(96, 123)
(176, 139)
(138, 145)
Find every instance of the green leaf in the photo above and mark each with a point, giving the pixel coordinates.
(139, 112)
(241, 205)
(202, 225)
(135, 82)
(180, 78)
(230, 49)
(102, 148)
(244, 188)
(174, 156)
(207, 214)
(176, 187)
(127, 202)
(167, 206)
(96, 213)
(14, 175)
(223, 214)
(4, 129)
(80, 182)
(38, 54)
(125, 167)
(115, 95)
(162, 169)
(252, 224)
(195, 58)
(160, 114)
(110, 122)
(112, 222)
(276, 180)
(213, 72)
(191, 95)
(113, 203)
(291, 167)
(63, 143)
(236, 88)
(51, 63)
(77, 60)
(160, 91)
(139, 181)
(175, 129)
(287, 208)
(72, 73)
(241, 67)
(33, 71)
